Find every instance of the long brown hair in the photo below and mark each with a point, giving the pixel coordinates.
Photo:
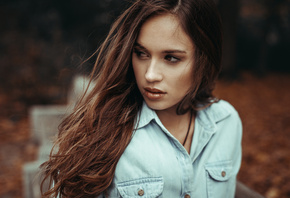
(92, 138)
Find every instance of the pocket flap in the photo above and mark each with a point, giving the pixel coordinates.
(143, 187)
(220, 171)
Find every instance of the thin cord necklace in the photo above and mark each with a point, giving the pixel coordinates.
(188, 128)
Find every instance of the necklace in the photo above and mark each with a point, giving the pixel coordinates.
(188, 128)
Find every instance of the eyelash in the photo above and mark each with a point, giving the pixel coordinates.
(168, 57)
(143, 55)
(140, 54)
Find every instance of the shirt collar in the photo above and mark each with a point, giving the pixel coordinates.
(213, 114)
(208, 117)
(145, 116)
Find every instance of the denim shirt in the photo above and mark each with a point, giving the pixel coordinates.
(155, 164)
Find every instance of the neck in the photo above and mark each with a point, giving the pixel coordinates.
(177, 125)
(180, 126)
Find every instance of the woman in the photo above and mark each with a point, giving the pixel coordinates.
(151, 126)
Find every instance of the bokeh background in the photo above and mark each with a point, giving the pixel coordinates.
(43, 44)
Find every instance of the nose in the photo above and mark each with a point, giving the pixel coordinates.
(153, 73)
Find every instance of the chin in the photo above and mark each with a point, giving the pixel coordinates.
(155, 105)
(159, 105)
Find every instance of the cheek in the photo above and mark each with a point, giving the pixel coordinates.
(134, 64)
(136, 68)
(188, 79)
(185, 81)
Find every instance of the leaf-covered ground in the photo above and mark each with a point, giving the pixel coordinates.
(264, 107)
(262, 102)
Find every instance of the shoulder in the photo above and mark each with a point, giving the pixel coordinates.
(226, 119)
(221, 118)
(222, 110)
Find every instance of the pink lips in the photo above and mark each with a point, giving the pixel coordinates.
(153, 93)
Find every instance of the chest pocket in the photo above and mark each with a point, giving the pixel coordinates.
(220, 180)
(149, 187)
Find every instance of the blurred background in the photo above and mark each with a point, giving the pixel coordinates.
(44, 42)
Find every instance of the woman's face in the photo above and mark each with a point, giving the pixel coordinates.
(163, 59)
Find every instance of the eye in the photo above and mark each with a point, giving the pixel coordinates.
(140, 54)
(171, 59)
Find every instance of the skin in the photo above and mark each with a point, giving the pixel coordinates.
(163, 59)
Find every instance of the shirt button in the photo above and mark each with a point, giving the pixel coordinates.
(223, 173)
(187, 196)
(141, 192)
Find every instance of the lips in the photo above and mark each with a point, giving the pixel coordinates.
(153, 93)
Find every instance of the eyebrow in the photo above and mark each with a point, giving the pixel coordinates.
(170, 51)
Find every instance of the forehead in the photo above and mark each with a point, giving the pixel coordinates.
(164, 31)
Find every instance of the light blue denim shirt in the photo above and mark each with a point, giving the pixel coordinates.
(155, 164)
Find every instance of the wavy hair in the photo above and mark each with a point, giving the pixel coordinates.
(93, 137)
